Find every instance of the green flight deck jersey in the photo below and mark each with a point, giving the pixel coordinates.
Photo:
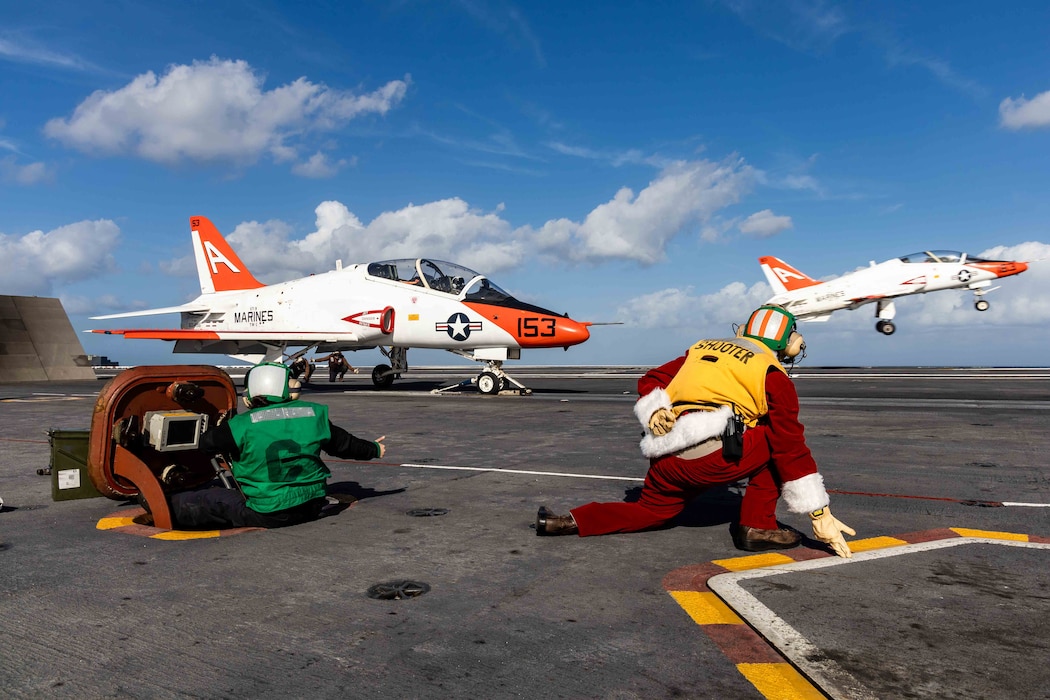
(280, 464)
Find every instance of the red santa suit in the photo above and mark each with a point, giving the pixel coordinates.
(703, 388)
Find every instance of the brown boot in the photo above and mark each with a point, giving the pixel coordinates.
(547, 523)
(752, 539)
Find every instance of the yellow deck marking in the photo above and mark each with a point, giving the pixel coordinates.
(782, 681)
(989, 535)
(779, 682)
(706, 608)
(110, 523)
(874, 543)
(185, 535)
(755, 561)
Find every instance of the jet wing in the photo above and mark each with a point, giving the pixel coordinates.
(817, 318)
(188, 308)
(296, 337)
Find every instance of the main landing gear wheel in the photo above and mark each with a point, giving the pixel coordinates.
(489, 383)
(885, 327)
(382, 376)
(981, 305)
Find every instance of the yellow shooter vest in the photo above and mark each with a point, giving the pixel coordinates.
(726, 372)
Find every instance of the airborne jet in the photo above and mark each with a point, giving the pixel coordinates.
(391, 304)
(928, 271)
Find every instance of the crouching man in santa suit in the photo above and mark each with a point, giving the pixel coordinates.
(685, 409)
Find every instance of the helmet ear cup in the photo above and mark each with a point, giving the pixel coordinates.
(294, 388)
(795, 344)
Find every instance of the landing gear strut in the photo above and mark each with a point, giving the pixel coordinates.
(979, 290)
(384, 375)
(884, 312)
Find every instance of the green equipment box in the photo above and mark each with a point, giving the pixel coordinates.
(69, 471)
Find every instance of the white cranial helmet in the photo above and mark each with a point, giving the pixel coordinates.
(269, 381)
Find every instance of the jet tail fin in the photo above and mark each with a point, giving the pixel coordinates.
(782, 277)
(219, 268)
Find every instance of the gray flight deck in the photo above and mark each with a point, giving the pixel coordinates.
(963, 453)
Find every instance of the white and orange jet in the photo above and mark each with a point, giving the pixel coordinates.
(392, 305)
(918, 273)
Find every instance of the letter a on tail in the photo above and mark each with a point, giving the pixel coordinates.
(782, 277)
(218, 267)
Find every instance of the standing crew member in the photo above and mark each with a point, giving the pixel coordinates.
(693, 410)
(274, 450)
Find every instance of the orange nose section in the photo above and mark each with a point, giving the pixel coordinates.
(534, 328)
(1020, 267)
(539, 331)
(572, 332)
(1005, 268)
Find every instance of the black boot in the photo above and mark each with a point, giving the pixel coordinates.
(147, 517)
(547, 523)
(753, 539)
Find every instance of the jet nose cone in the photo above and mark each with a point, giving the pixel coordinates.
(572, 332)
(1009, 269)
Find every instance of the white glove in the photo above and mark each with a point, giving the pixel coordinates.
(828, 529)
(661, 422)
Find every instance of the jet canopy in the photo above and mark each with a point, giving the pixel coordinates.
(440, 276)
(941, 256)
(449, 278)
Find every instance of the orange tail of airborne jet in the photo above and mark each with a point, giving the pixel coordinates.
(784, 278)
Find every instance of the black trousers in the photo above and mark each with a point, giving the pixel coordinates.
(216, 508)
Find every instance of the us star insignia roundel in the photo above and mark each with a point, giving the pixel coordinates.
(458, 326)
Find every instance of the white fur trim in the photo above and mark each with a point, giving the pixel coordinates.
(805, 495)
(690, 429)
(649, 404)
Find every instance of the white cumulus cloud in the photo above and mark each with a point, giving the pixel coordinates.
(24, 174)
(213, 111)
(764, 224)
(447, 229)
(319, 166)
(639, 226)
(1023, 113)
(682, 308)
(36, 262)
(630, 227)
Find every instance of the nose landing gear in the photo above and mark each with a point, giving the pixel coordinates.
(885, 327)
(492, 381)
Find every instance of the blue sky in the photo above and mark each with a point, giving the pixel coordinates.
(619, 161)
